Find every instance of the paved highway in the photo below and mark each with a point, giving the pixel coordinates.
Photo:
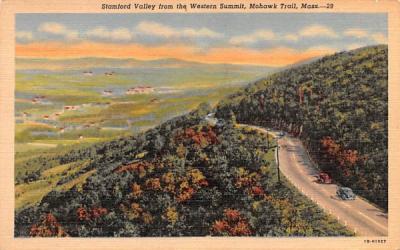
(358, 215)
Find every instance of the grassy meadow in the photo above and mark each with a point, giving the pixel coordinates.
(45, 127)
(178, 87)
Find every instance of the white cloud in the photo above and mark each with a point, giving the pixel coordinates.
(24, 35)
(260, 35)
(118, 34)
(203, 32)
(58, 29)
(355, 32)
(291, 37)
(155, 29)
(379, 38)
(161, 30)
(317, 30)
(267, 35)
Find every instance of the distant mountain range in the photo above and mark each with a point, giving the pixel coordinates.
(89, 63)
(189, 177)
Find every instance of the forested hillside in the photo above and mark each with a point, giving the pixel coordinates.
(185, 177)
(338, 106)
(193, 177)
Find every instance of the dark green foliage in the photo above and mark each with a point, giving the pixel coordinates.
(194, 180)
(188, 178)
(338, 106)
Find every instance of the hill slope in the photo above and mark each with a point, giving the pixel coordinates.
(338, 106)
(188, 177)
(182, 178)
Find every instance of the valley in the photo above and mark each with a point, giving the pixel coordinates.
(60, 103)
(184, 166)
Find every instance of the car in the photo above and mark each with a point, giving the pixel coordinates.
(345, 193)
(220, 124)
(324, 178)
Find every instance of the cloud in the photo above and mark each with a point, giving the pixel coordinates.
(318, 31)
(58, 29)
(24, 35)
(355, 32)
(262, 35)
(155, 29)
(118, 34)
(275, 56)
(379, 38)
(268, 35)
(259, 35)
(161, 30)
(203, 32)
(290, 37)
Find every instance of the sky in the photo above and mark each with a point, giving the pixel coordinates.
(269, 39)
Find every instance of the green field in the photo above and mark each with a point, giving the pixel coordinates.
(178, 87)
(47, 128)
(27, 194)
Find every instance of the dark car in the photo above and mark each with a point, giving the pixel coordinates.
(345, 193)
(324, 178)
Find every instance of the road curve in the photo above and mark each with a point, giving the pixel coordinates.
(358, 215)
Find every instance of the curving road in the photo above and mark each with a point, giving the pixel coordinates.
(359, 215)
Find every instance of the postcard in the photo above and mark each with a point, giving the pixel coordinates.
(199, 125)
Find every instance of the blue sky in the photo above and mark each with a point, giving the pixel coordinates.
(254, 31)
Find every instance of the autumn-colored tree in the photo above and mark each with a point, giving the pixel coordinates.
(153, 184)
(171, 215)
(82, 214)
(47, 227)
(345, 159)
(92, 214)
(233, 224)
(136, 190)
(141, 168)
(98, 212)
